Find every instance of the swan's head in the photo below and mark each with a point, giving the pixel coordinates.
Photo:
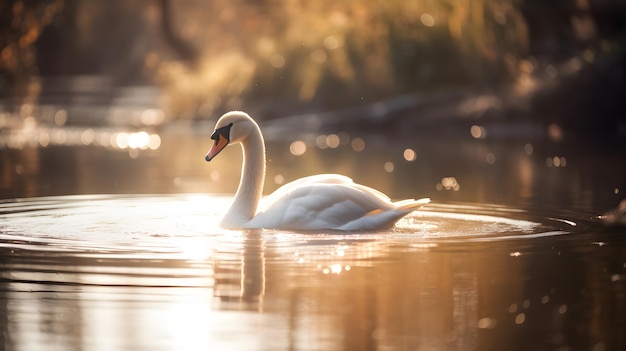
(233, 127)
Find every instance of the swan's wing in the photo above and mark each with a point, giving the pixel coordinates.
(313, 206)
(328, 202)
(319, 179)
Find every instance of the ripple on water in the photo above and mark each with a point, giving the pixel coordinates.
(138, 240)
(175, 224)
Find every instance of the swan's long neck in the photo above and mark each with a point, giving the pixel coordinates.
(250, 188)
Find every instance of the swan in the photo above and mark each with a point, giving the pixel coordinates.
(324, 201)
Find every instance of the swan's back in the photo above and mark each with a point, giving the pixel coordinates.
(330, 201)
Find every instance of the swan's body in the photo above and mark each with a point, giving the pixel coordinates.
(325, 201)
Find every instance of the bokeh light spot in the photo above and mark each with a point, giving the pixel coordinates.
(60, 118)
(154, 142)
(332, 140)
(152, 117)
(556, 161)
(389, 167)
(138, 140)
(528, 149)
(409, 155)
(358, 144)
(133, 153)
(478, 132)
(59, 137)
(297, 148)
(44, 139)
(87, 137)
(427, 19)
(120, 140)
(277, 61)
(320, 141)
(554, 132)
(279, 179)
(486, 323)
(332, 42)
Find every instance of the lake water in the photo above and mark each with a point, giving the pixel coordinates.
(511, 253)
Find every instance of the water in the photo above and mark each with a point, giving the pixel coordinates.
(511, 253)
(157, 273)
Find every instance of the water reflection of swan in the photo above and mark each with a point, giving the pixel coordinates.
(325, 201)
(242, 278)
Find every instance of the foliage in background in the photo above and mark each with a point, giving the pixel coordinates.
(338, 53)
(21, 24)
(222, 54)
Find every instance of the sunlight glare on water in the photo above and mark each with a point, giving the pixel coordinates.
(119, 224)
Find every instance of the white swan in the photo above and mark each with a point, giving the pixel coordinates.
(325, 201)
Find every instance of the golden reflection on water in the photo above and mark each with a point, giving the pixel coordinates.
(156, 272)
(142, 271)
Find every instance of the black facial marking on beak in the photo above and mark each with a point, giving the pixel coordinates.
(223, 131)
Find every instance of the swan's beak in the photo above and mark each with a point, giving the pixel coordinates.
(219, 144)
(222, 138)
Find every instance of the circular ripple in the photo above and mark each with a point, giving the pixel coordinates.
(182, 224)
(115, 240)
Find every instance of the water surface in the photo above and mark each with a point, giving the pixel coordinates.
(510, 254)
(154, 272)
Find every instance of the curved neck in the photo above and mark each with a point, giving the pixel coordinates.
(250, 187)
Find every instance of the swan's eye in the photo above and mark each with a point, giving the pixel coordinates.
(223, 131)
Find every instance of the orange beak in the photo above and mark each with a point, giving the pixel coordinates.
(219, 144)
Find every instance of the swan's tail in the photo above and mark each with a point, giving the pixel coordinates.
(384, 218)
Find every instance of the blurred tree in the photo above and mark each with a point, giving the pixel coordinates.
(108, 38)
(184, 49)
(587, 37)
(310, 51)
(209, 55)
(21, 24)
